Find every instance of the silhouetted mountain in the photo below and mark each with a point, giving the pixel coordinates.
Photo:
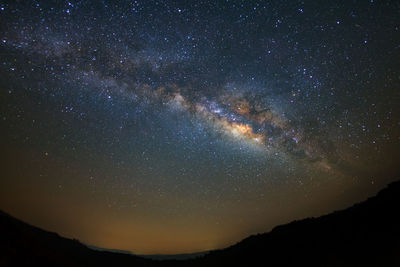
(185, 256)
(25, 245)
(367, 234)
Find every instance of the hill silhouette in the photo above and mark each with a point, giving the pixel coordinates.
(367, 234)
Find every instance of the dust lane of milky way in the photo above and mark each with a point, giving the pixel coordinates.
(236, 115)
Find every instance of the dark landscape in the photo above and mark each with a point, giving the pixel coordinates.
(366, 234)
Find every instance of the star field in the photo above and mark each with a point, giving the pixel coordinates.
(173, 126)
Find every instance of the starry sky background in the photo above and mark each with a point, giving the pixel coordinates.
(182, 126)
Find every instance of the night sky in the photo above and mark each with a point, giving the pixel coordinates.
(182, 126)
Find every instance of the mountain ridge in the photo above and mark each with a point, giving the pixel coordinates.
(366, 234)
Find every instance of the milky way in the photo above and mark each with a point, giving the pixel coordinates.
(170, 127)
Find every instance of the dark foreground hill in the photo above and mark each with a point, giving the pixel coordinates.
(367, 234)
